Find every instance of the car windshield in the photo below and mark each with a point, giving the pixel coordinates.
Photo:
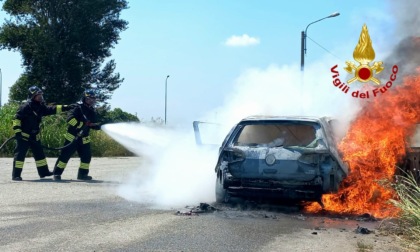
(277, 135)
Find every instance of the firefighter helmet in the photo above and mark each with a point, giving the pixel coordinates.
(89, 93)
(34, 91)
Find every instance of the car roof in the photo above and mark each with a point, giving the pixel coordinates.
(285, 118)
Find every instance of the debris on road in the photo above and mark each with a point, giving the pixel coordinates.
(202, 208)
(362, 230)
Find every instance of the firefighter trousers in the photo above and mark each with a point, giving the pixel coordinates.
(22, 147)
(83, 149)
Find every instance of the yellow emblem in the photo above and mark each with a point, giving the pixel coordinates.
(364, 54)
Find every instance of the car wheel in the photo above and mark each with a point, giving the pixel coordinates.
(222, 195)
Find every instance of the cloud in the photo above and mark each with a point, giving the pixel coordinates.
(243, 40)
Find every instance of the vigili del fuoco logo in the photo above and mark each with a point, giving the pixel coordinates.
(364, 70)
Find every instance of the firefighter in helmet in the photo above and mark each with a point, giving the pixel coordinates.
(81, 119)
(27, 132)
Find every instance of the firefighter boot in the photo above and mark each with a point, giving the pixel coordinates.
(83, 174)
(44, 172)
(16, 174)
(57, 173)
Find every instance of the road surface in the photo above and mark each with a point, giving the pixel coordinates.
(44, 215)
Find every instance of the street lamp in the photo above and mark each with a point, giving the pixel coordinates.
(166, 94)
(303, 40)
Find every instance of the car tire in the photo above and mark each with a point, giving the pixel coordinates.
(222, 195)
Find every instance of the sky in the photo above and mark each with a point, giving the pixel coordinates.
(208, 48)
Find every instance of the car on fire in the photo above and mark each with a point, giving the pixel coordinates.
(283, 158)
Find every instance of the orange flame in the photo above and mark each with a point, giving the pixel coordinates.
(375, 143)
(364, 52)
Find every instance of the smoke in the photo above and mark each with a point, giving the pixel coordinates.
(407, 28)
(406, 14)
(405, 54)
(176, 172)
(287, 91)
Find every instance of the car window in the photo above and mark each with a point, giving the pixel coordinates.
(228, 135)
(207, 133)
(275, 135)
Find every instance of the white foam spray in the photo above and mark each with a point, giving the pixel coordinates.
(175, 172)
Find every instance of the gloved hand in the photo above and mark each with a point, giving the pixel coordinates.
(69, 107)
(96, 126)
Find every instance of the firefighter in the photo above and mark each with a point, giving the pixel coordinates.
(27, 132)
(81, 119)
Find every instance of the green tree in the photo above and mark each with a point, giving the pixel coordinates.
(106, 115)
(19, 91)
(64, 44)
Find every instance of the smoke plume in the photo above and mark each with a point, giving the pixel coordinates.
(176, 172)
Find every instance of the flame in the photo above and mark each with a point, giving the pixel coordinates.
(375, 143)
(364, 52)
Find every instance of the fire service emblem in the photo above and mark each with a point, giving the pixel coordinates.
(364, 72)
(364, 54)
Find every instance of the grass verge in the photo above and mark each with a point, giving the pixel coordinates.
(408, 191)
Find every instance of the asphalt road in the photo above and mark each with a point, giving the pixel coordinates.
(44, 215)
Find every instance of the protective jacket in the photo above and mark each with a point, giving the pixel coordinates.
(26, 127)
(29, 116)
(81, 119)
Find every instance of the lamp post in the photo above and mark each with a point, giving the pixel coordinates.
(166, 94)
(303, 40)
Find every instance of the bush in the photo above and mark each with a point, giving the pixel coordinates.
(7, 113)
(105, 146)
(53, 129)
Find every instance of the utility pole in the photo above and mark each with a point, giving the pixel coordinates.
(303, 40)
(166, 94)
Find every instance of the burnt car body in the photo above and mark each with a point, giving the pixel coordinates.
(410, 163)
(293, 158)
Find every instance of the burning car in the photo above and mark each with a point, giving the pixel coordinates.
(293, 158)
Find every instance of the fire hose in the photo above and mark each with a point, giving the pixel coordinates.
(1, 147)
(46, 147)
(65, 146)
